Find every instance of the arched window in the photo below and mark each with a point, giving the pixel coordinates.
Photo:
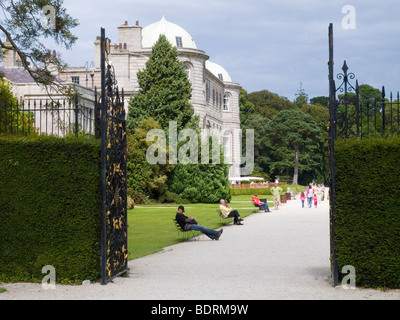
(227, 97)
(187, 70)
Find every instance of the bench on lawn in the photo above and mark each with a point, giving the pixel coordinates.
(222, 219)
(183, 234)
(261, 207)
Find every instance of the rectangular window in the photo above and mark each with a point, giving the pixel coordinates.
(220, 76)
(179, 43)
(208, 91)
(75, 80)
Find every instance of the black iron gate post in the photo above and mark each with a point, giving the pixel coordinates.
(332, 136)
(114, 239)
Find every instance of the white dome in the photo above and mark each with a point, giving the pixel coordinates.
(218, 71)
(151, 33)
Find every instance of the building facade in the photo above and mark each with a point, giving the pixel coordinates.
(215, 97)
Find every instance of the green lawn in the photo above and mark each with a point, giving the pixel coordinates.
(151, 228)
(2, 290)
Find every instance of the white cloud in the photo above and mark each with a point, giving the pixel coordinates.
(264, 44)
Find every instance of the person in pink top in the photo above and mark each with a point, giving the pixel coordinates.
(303, 199)
(315, 198)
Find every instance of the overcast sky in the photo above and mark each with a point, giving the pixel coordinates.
(263, 44)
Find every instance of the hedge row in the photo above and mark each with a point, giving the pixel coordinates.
(368, 210)
(50, 208)
(265, 191)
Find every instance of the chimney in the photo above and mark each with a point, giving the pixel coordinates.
(9, 58)
(131, 35)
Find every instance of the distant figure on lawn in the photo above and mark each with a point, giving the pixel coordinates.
(257, 202)
(227, 212)
(189, 223)
(276, 192)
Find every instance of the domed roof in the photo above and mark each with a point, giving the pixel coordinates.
(151, 33)
(218, 71)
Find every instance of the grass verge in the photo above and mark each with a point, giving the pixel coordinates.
(151, 228)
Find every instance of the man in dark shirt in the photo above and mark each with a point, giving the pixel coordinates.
(189, 223)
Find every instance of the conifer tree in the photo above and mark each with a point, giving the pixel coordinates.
(165, 89)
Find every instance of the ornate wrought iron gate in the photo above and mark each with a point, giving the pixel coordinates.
(114, 246)
(354, 117)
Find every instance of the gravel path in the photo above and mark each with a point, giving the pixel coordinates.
(278, 255)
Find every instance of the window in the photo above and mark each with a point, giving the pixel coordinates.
(187, 70)
(179, 43)
(226, 102)
(213, 96)
(220, 77)
(75, 80)
(208, 91)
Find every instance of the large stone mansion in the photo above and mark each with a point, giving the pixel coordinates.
(215, 97)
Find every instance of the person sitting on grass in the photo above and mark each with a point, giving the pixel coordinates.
(257, 202)
(227, 212)
(190, 224)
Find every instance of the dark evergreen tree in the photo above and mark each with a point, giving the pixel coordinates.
(165, 90)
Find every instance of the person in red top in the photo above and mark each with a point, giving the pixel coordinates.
(257, 202)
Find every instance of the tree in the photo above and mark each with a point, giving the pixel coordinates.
(165, 89)
(259, 124)
(145, 178)
(202, 183)
(301, 97)
(11, 119)
(269, 104)
(27, 25)
(323, 101)
(294, 134)
(246, 106)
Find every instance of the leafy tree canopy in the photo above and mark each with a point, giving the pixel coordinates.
(26, 25)
(269, 104)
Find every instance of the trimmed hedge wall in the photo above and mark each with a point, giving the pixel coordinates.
(368, 210)
(50, 208)
(265, 191)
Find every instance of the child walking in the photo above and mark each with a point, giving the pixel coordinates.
(303, 199)
(315, 198)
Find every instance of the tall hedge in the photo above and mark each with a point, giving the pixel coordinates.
(50, 208)
(368, 210)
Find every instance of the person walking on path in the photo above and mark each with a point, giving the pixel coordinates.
(227, 212)
(189, 223)
(322, 192)
(310, 195)
(257, 202)
(276, 192)
(303, 199)
(315, 200)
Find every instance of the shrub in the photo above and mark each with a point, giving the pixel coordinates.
(368, 210)
(50, 208)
